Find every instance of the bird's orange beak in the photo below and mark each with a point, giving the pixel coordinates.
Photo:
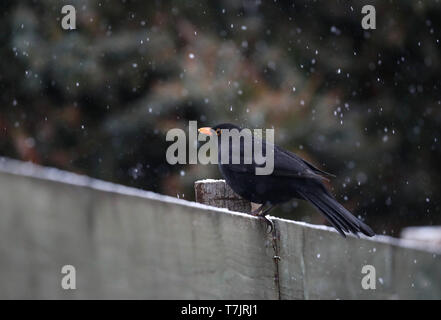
(206, 130)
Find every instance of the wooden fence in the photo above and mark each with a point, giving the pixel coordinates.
(127, 243)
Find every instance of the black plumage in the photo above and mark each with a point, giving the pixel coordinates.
(293, 177)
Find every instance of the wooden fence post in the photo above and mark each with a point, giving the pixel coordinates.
(217, 193)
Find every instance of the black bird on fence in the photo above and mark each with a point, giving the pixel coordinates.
(292, 177)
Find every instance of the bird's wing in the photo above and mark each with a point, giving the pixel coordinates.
(310, 166)
(286, 164)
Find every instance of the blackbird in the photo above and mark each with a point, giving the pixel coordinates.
(292, 177)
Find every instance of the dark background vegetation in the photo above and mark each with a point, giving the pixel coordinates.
(99, 100)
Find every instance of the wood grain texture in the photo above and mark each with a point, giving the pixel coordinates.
(218, 194)
(317, 263)
(127, 243)
(126, 246)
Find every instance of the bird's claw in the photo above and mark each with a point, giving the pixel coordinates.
(269, 223)
(260, 213)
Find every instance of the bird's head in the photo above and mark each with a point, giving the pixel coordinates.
(217, 130)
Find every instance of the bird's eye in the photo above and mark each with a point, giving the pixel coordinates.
(218, 131)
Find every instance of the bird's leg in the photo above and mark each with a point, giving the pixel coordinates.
(269, 222)
(257, 212)
(267, 210)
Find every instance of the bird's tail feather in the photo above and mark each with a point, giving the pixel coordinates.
(340, 218)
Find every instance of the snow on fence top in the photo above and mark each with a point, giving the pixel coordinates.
(128, 243)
